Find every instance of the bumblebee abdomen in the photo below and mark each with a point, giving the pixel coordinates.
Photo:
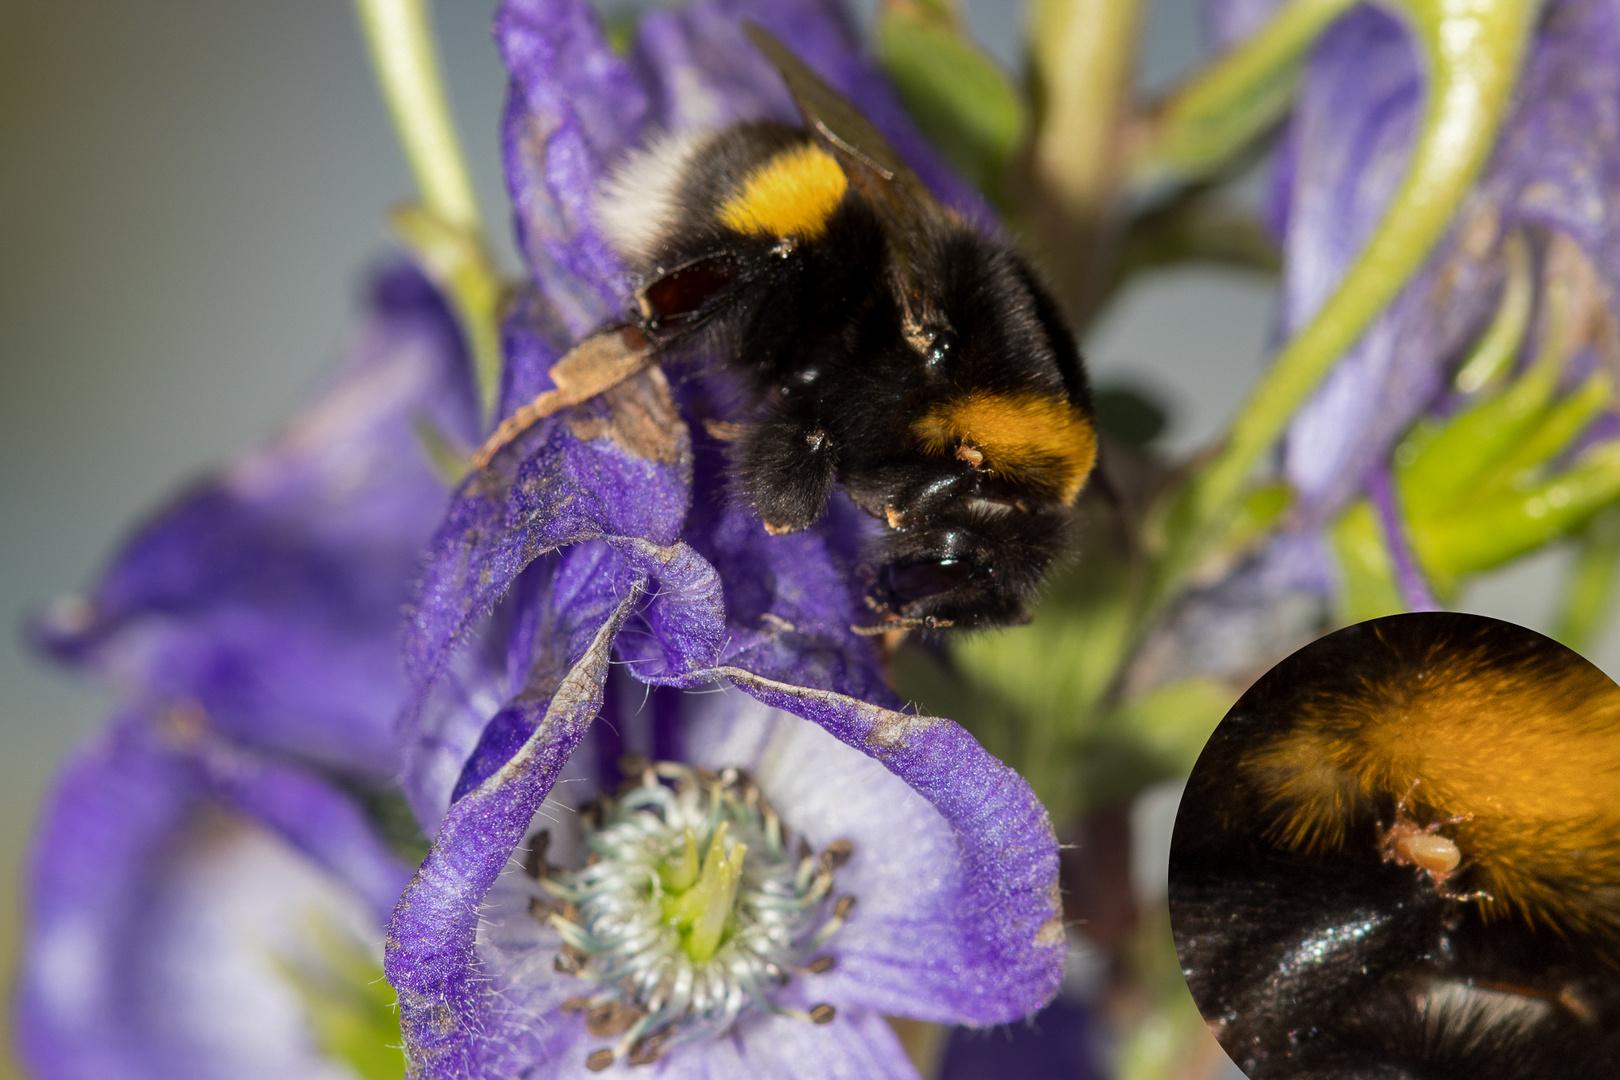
(1518, 757)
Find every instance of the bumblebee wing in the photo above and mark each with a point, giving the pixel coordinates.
(871, 164)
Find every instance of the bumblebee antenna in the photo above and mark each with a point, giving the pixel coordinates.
(597, 364)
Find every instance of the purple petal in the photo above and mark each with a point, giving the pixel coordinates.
(617, 514)
(161, 906)
(573, 109)
(955, 867)
(559, 484)
(446, 1002)
(1061, 1042)
(271, 595)
(857, 1045)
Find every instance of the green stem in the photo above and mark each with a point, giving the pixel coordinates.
(1082, 55)
(1472, 50)
(443, 228)
(400, 36)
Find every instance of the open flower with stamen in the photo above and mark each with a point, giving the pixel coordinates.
(718, 888)
(682, 944)
(605, 535)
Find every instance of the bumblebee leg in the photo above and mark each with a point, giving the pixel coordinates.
(787, 466)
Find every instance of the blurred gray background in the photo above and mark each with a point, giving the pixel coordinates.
(188, 190)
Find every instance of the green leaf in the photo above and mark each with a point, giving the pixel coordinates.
(962, 101)
(352, 1012)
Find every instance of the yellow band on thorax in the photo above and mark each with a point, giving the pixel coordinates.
(792, 194)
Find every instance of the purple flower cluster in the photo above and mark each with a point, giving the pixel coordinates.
(594, 594)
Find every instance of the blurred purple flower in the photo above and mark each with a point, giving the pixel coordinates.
(191, 858)
(1556, 166)
(1058, 1043)
(606, 535)
(270, 594)
(173, 876)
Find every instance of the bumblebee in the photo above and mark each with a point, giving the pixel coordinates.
(1398, 858)
(888, 346)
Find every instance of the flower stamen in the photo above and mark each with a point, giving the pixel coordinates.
(689, 910)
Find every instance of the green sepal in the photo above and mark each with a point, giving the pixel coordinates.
(1218, 113)
(960, 99)
(1587, 604)
(1367, 585)
(1441, 463)
(1487, 534)
(1556, 429)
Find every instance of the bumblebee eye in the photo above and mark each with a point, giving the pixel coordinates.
(914, 581)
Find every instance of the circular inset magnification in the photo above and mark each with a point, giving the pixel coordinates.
(1398, 858)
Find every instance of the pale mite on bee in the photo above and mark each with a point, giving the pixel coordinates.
(891, 349)
(1410, 844)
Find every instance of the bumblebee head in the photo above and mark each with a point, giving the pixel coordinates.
(977, 566)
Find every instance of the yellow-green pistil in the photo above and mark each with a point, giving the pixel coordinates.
(691, 910)
(700, 903)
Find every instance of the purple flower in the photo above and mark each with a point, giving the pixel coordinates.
(214, 865)
(177, 882)
(1556, 167)
(606, 536)
(270, 594)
